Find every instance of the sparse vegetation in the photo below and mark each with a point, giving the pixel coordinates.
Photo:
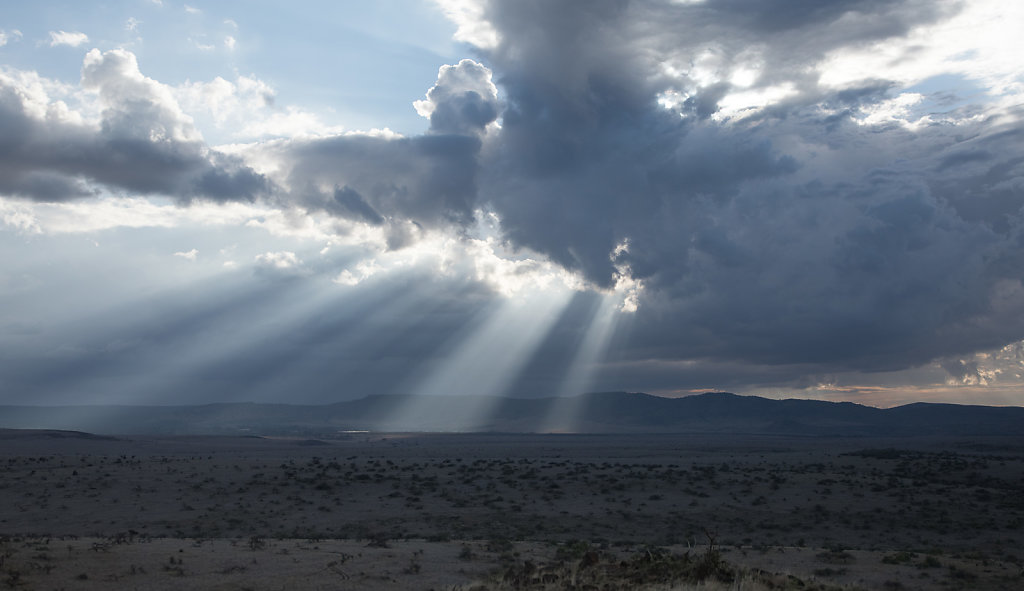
(517, 500)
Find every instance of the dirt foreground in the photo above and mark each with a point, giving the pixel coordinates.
(406, 511)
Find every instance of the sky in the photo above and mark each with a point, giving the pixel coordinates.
(317, 201)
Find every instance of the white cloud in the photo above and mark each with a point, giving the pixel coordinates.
(72, 39)
(481, 257)
(132, 24)
(896, 110)
(453, 81)
(224, 100)
(121, 131)
(484, 259)
(290, 123)
(281, 260)
(297, 224)
(246, 109)
(192, 10)
(230, 42)
(202, 46)
(115, 76)
(468, 16)
(19, 216)
(135, 212)
(5, 37)
(748, 102)
(977, 41)
(982, 42)
(42, 98)
(363, 270)
(514, 275)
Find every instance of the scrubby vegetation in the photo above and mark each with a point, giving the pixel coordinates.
(769, 500)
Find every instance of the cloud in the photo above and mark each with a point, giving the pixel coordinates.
(965, 372)
(6, 37)
(775, 216)
(349, 203)
(279, 260)
(226, 100)
(19, 217)
(473, 27)
(202, 46)
(281, 264)
(463, 101)
(404, 186)
(361, 272)
(428, 180)
(73, 39)
(779, 192)
(246, 108)
(190, 255)
(142, 142)
(691, 155)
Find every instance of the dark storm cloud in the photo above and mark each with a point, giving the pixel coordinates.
(861, 19)
(429, 179)
(869, 269)
(143, 144)
(349, 203)
(796, 241)
(962, 371)
(463, 101)
(797, 238)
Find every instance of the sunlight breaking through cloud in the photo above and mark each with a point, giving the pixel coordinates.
(236, 323)
(486, 361)
(564, 414)
(827, 191)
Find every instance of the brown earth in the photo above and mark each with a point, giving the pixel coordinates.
(408, 511)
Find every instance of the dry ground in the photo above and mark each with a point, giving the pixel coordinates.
(497, 511)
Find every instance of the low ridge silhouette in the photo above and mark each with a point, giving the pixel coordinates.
(601, 412)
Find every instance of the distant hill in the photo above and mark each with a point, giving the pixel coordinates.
(22, 434)
(604, 412)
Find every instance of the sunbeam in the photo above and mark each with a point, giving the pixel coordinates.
(201, 230)
(338, 349)
(563, 413)
(105, 363)
(484, 363)
(242, 360)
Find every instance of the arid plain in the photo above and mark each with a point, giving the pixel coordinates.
(494, 511)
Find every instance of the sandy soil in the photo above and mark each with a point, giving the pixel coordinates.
(405, 511)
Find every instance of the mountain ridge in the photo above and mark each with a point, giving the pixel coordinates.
(597, 412)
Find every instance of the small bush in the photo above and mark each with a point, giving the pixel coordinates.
(898, 558)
